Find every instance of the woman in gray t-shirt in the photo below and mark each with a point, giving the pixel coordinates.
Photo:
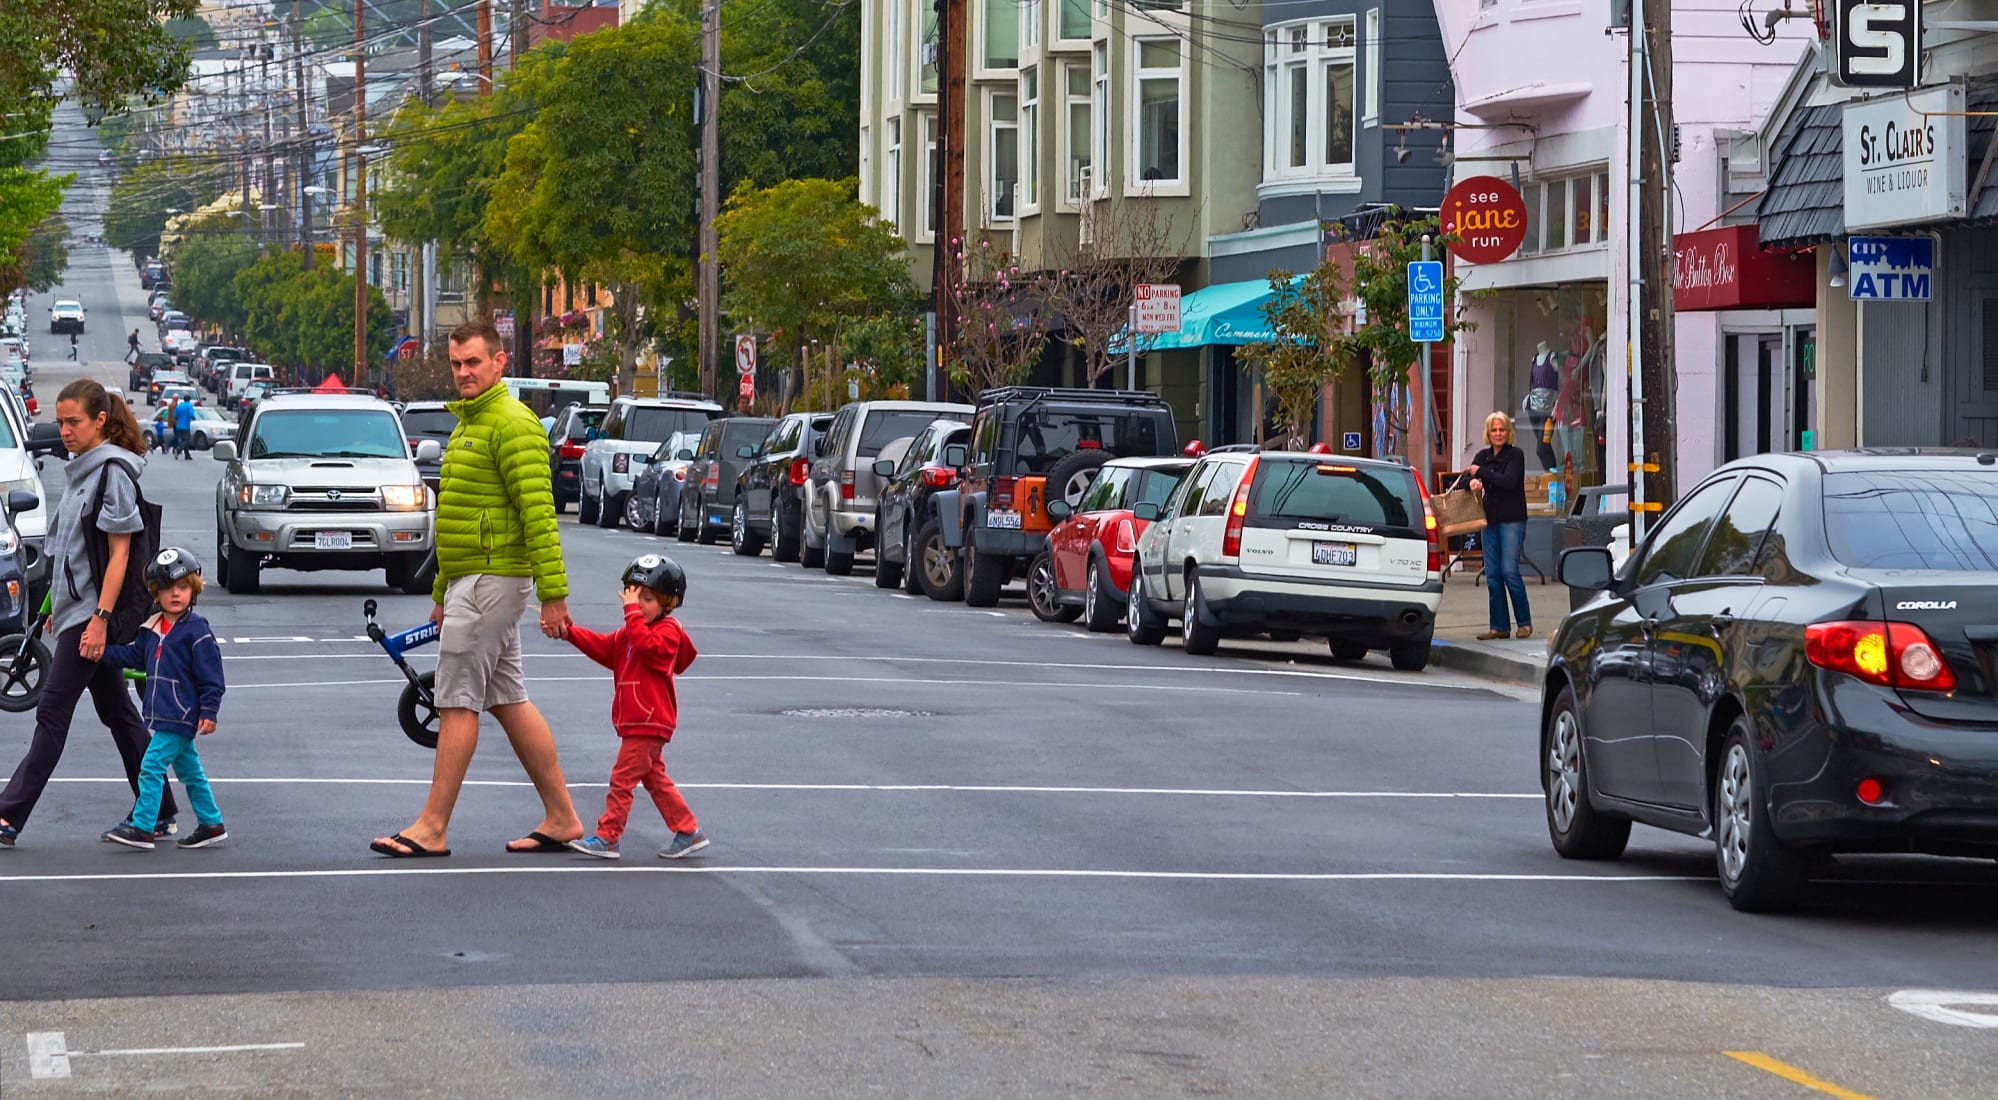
(106, 449)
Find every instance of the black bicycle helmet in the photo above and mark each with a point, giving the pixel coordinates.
(170, 565)
(659, 573)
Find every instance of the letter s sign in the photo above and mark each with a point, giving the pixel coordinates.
(1879, 43)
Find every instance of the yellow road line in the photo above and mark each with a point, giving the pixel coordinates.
(1791, 1073)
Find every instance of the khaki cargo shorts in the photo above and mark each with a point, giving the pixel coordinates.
(478, 651)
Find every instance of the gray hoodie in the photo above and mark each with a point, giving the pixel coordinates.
(69, 558)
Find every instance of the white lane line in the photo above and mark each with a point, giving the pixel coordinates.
(301, 684)
(48, 1055)
(598, 867)
(906, 788)
(1083, 666)
(232, 1049)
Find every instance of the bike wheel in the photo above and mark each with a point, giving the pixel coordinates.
(22, 673)
(418, 711)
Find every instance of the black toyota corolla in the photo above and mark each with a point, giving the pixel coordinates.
(1802, 657)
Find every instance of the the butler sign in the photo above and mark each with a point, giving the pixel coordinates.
(1904, 158)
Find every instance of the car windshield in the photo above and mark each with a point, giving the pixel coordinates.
(735, 433)
(1044, 437)
(1909, 519)
(435, 423)
(885, 426)
(651, 424)
(1327, 492)
(218, 355)
(327, 433)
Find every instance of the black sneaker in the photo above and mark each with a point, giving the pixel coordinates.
(203, 836)
(130, 835)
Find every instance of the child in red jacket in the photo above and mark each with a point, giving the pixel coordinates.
(646, 653)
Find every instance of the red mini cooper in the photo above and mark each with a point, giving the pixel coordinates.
(1086, 569)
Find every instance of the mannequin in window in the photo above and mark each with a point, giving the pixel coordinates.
(1543, 388)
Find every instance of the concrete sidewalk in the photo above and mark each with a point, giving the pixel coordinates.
(1465, 614)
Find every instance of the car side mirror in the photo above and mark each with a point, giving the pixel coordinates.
(45, 439)
(1144, 510)
(954, 455)
(684, 456)
(427, 450)
(22, 500)
(745, 451)
(225, 450)
(1589, 568)
(883, 468)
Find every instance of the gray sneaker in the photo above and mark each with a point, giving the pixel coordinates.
(684, 844)
(203, 836)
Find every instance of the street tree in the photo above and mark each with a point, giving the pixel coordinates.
(1307, 350)
(1380, 286)
(143, 199)
(38, 264)
(1132, 243)
(790, 101)
(305, 319)
(1002, 314)
(806, 259)
(597, 185)
(205, 266)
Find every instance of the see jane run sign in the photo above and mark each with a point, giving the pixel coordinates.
(1489, 216)
(1890, 269)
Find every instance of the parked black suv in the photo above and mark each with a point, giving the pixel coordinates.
(707, 504)
(1030, 445)
(769, 496)
(566, 437)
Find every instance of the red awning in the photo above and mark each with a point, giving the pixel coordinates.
(1726, 268)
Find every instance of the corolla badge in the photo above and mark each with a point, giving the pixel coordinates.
(1926, 605)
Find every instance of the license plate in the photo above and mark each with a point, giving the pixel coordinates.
(333, 540)
(1008, 520)
(1334, 553)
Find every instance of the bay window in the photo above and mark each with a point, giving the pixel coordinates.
(1030, 144)
(1567, 212)
(1002, 156)
(928, 200)
(1077, 139)
(1073, 21)
(1158, 79)
(1100, 64)
(891, 175)
(1310, 110)
(1030, 27)
(1002, 34)
(895, 49)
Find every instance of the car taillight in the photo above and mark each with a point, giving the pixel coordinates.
(939, 477)
(620, 463)
(846, 485)
(570, 450)
(799, 468)
(1238, 513)
(1002, 492)
(1127, 537)
(1434, 537)
(713, 478)
(1898, 655)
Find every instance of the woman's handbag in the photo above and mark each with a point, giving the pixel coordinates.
(1458, 512)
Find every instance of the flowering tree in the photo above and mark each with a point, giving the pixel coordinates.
(1002, 314)
(1131, 243)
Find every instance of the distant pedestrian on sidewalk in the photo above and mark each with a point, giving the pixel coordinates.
(496, 542)
(1498, 473)
(183, 428)
(645, 654)
(94, 527)
(183, 694)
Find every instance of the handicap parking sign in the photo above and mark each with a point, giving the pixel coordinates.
(1425, 301)
(1350, 441)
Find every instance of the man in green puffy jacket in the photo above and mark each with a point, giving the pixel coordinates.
(496, 542)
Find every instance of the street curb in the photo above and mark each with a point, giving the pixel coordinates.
(1480, 661)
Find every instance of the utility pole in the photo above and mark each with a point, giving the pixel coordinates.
(303, 153)
(948, 172)
(517, 29)
(264, 52)
(485, 47)
(1653, 380)
(710, 269)
(359, 207)
(426, 77)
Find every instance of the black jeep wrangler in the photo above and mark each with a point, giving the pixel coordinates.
(1030, 445)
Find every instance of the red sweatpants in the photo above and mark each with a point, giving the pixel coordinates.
(639, 765)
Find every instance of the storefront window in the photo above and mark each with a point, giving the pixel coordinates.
(1551, 377)
(1554, 216)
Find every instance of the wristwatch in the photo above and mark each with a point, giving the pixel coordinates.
(102, 614)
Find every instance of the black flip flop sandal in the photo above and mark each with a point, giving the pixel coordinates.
(416, 851)
(543, 845)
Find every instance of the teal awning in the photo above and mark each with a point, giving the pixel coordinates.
(1225, 313)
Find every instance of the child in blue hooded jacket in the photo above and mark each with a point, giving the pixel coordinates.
(183, 693)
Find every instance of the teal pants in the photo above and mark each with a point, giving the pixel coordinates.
(172, 750)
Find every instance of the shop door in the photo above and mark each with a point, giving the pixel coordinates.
(1976, 414)
(1802, 429)
(1755, 406)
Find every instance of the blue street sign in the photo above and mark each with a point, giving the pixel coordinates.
(1425, 301)
(1350, 441)
(1890, 269)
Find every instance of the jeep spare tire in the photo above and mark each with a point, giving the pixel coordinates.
(1071, 477)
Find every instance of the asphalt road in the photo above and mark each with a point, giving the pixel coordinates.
(955, 853)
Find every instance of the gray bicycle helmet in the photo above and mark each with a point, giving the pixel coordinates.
(170, 565)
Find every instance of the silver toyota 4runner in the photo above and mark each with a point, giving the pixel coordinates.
(323, 481)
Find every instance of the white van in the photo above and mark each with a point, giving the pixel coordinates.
(241, 374)
(548, 396)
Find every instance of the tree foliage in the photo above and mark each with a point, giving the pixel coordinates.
(205, 266)
(305, 319)
(1132, 243)
(1307, 351)
(141, 198)
(193, 30)
(1002, 314)
(38, 264)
